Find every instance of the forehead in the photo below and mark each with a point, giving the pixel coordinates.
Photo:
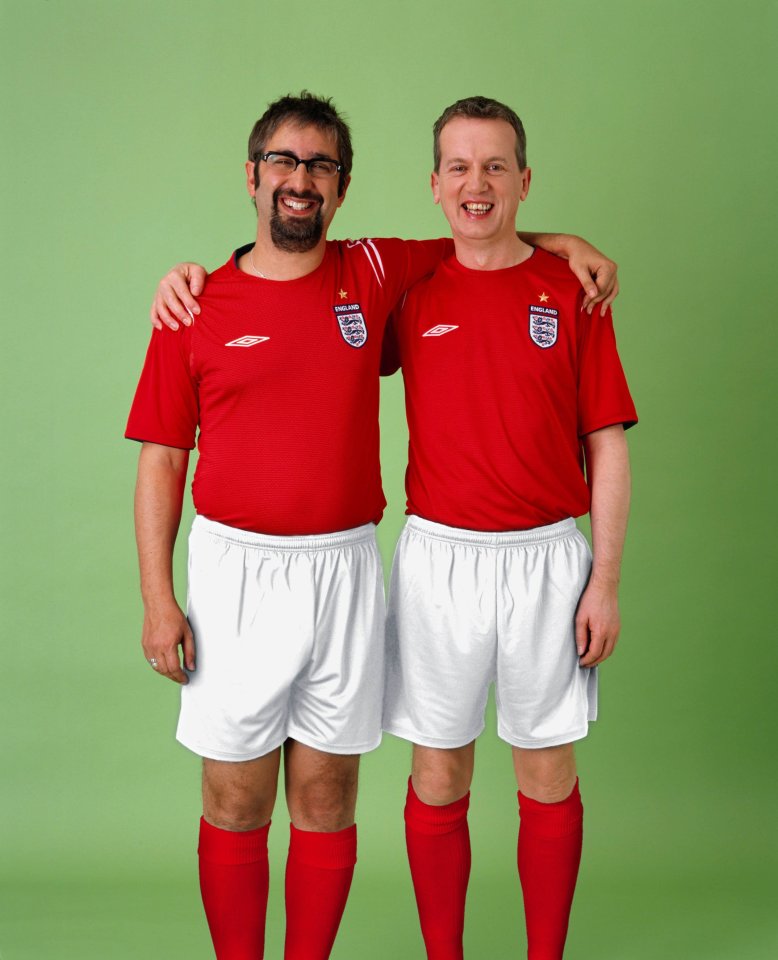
(471, 138)
(304, 140)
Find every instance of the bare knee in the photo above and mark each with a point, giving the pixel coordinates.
(321, 789)
(546, 775)
(239, 796)
(442, 776)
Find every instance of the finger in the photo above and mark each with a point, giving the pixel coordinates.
(586, 281)
(189, 650)
(155, 321)
(197, 275)
(179, 294)
(165, 315)
(173, 666)
(581, 636)
(171, 300)
(609, 299)
(594, 650)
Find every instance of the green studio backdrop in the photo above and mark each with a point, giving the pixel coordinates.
(652, 132)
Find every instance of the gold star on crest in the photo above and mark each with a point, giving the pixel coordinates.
(543, 297)
(342, 294)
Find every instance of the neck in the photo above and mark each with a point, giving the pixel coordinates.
(266, 260)
(491, 254)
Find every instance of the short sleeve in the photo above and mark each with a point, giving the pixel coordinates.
(165, 409)
(603, 395)
(405, 262)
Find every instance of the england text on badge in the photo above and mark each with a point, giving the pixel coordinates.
(352, 323)
(543, 323)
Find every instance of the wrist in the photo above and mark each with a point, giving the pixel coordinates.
(159, 604)
(605, 579)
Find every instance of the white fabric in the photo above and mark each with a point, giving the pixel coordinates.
(467, 609)
(289, 641)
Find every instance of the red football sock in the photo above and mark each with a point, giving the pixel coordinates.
(233, 884)
(438, 843)
(318, 877)
(549, 853)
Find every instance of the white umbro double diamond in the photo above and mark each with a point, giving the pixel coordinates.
(246, 341)
(440, 330)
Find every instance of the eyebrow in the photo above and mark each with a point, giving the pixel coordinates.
(291, 153)
(464, 160)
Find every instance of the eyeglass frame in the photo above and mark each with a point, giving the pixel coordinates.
(306, 163)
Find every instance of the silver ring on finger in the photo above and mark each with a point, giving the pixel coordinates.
(153, 663)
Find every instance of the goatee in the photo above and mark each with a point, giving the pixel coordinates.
(296, 235)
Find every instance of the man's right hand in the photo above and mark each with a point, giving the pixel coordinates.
(164, 630)
(174, 300)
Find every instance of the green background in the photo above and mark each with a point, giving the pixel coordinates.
(651, 131)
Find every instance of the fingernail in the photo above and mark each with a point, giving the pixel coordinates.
(174, 326)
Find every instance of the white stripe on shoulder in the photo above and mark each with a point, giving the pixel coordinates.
(362, 244)
(378, 257)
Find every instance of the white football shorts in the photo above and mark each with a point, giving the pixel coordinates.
(289, 636)
(467, 609)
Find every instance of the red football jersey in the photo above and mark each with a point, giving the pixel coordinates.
(503, 377)
(281, 378)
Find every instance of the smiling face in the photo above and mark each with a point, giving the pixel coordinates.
(296, 208)
(479, 183)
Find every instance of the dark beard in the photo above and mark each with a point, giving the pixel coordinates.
(291, 235)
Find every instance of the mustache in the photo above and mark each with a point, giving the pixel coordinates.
(297, 195)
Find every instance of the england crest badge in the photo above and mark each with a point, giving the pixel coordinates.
(352, 324)
(543, 323)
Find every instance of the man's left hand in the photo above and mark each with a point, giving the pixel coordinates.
(597, 623)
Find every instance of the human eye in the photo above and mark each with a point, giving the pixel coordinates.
(322, 168)
(457, 168)
(495, 167)
(280, 162)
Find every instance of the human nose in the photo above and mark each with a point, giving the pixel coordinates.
(476, 179)
(300, 174)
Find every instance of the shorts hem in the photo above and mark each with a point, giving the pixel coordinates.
(540, 742)
(439, 743)
(208, 754)
(335, 748)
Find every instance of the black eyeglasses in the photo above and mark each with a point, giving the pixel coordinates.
(317, 167)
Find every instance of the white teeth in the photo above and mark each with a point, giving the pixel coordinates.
(297, 204)
(478, 207)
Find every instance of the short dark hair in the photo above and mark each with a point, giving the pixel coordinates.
(481, 108)
(305, 110)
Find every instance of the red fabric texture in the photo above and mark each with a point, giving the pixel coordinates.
(549, 853)
(281, 379)
(503, 377)
(438, 842)
(234, 887)
(318, 878)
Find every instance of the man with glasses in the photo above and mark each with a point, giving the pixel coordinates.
(280, 376)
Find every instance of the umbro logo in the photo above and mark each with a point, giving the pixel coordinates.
(246, 341)
(440, 330)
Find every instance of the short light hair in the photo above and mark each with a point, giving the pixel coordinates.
(307, 110)
(481, 108)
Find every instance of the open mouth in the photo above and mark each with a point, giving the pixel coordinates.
(296, 205)
(477, 210)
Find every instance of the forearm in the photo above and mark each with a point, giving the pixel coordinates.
(557, 243)
(158, 500)
(608, 474)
